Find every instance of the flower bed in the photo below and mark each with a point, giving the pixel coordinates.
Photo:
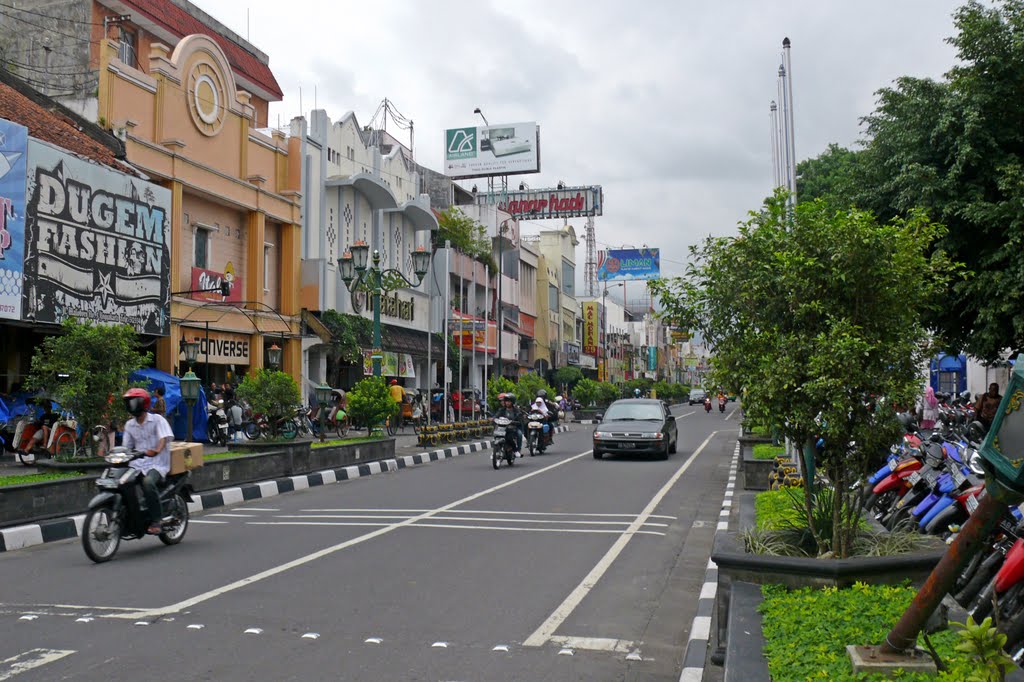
(802, 644)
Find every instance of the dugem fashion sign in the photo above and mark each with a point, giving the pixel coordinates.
(507, 149)
(567, 202)
(13, 160)
(629, 264)
(96, 244)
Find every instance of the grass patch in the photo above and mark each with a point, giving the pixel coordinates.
(343, 441)
(801, 644)
(768, 451)
(227, 455)
(39, 478)
(775, 509)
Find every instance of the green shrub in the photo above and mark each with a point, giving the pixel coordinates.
(370, 403)
(587, 391)
(806, 631)
(495, 386)
(774, 510)
(270, 392)
(529, 384)
(607, 394)
(768, 451)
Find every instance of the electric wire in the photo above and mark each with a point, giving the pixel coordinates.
(50, 16)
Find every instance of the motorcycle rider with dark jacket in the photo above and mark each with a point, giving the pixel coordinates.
(507, 408)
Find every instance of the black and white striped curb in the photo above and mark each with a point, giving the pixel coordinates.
(700, 630)
(31, 534)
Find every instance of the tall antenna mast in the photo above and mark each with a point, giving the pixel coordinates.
(590, 269)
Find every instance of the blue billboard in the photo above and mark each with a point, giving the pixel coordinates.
(13, 175)
(652, 358)
(629, 264)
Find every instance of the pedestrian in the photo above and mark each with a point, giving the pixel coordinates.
(929, 409)
(159, 404)
(988, 403)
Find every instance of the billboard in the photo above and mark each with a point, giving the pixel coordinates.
(591, 327)
(206, 285)
(508, 149)
(96, 244)
(652, 357)
(536, 204)
(13, 164)
(629, 264)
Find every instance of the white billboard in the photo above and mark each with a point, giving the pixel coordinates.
(507, 149)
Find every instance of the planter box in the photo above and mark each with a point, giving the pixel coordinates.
(33, 502)
(747, 444)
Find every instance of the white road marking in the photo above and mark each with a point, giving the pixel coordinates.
(565, 652)
(28, 617)
(373, 640)
(730, 415)
(548, 628)
(195, 626)
(261, 509)
(692, 675)
(593, 643)
(479, 511)
(701, 628)
(439, 645)
(634, 656)
(253, 631)
(234, 516)
(536, 530)
(311, 635)
(262, 575)
(84, 620)
(466, 518)
(708, 590)
(27, 660)
(212, 523)
(501, 647)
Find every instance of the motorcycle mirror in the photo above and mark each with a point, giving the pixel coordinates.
(976, 432)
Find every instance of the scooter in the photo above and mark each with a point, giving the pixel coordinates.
(721, 405)
(217, 423)
(503, 445)
(707, 405)
(117, 512)
(538, 433)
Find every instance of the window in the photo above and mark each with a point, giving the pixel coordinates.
(552, 297)
(568, 278)
(266, 266)
(201, 256)
(126, 48)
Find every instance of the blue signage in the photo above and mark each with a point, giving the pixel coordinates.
(652, 358)
(13, 175)
(629, 264)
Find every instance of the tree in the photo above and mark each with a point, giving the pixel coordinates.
(587, 391)
(85, 369)
(465, 235)
(529, 384)
(567, 376)
(271, 393)
(370, 403)
(350, 333)
(831, 176)
(813, 314)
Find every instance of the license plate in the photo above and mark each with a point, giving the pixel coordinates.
(931, 478)
(958, 478)
(627, 446)
(914, 478)
(972, 504)
(892, 465)
(499, 433)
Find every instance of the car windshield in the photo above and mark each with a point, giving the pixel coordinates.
(633, 412)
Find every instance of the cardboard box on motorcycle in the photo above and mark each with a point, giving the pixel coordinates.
(185, 457)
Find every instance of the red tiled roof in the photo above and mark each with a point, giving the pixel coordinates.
(179, 22)
(51, 127)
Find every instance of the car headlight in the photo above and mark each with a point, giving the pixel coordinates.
(602, 434)
(654, 436)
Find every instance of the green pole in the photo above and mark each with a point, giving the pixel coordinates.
(377, 344)
(809, 454)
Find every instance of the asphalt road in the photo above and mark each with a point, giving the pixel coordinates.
(559, 568)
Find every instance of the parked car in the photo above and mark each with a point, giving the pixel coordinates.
(697, 396)
(636, 426)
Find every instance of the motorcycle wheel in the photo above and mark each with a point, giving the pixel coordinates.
(1014, 631)
(939, 524)
(342, 428)
(900, 518)
(983, 603)
(496, 459)
(289, 429)
(981, 577)
(101, 548)
(251, 430)
(179, 510)
(212, 433)
(531, 443)
(510, 456)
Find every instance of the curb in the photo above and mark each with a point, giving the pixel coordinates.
(33, 534)
(700, 631)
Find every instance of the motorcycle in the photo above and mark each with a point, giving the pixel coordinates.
(721, 404)
(217, 423)
(538, 434)
(504, 442)
(116, 513)
(707, 405)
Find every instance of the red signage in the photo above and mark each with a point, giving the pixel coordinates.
(210, 282)
(528, 324)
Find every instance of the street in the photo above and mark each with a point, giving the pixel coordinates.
(560, 568)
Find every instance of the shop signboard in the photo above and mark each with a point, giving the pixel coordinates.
(537, 204)
(629, 264)
(528, 323)
(218, 348)
(591, 327)
(680, 336)
(652, 357)
(506, 149)
(96, 244)
(206, 286)
(588, 361)
(391, 365)
(572, 353)
(13, 165)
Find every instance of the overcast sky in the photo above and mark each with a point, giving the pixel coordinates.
(664, 104)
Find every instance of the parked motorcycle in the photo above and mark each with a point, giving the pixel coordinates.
(217, 426)
(118, 511)
(503, 445)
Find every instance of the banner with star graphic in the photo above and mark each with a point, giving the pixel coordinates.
(13, 142)
(97, 244)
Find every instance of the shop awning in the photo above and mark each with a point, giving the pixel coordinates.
(401, 340)
(316, 326)
(421, 218)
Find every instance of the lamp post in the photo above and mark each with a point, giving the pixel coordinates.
(372, 280)
(1004, 484)
(274, 354)
(323, 396)
(190, 384)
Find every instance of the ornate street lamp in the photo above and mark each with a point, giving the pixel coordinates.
(274, 356)
(373, 281)
(190, 394)
(323, 396)
(191, 352)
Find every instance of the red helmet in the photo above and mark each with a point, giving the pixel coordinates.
(394, 382)
(136, 401)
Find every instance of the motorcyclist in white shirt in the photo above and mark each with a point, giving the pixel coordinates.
(150, 434)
